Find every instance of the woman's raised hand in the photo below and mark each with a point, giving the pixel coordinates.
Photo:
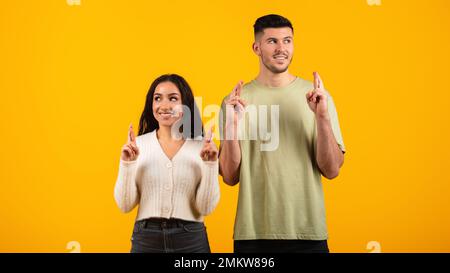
(130, 151)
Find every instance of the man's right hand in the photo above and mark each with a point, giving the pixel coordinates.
(235, 105)
(230, 151)
(130, 151)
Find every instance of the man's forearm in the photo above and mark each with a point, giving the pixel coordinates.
(328, 154)
(230, 156)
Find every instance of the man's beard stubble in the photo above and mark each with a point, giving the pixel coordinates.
(275, 70)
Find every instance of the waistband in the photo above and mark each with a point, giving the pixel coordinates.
(165, 223)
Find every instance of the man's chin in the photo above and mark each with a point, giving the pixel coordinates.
(278, 70)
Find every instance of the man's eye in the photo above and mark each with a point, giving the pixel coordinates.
(271, 41)
(173, 99)
(287, 41)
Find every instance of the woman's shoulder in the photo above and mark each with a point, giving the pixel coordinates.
(196, 143)
(145, 137)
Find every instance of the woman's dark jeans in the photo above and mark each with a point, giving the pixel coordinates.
(158, 235)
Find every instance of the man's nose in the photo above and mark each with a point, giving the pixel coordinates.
(280, 48)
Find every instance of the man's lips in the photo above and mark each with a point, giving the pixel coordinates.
(280, 57)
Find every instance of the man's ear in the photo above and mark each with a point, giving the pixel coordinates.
(256, 48)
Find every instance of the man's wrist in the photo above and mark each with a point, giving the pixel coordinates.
(230, 130)
(323, 117)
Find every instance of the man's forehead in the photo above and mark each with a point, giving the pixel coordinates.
(281, 32)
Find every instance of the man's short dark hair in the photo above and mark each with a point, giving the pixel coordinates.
(271, 21)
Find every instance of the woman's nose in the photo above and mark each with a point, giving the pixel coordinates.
(165, 105)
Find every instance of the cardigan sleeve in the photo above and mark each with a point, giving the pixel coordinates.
(126, 191)
(208, 192)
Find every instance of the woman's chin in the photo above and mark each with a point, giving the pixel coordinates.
(166, 122)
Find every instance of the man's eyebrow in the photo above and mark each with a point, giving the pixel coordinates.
(273, 38)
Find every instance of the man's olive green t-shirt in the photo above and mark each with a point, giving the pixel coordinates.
(280, 188)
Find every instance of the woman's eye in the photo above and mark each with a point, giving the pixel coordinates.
(157, 98)
(173, 99)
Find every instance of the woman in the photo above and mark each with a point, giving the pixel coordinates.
(169, 171)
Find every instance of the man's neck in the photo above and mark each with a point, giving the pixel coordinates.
(270, 79)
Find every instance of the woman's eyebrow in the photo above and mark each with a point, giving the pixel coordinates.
(170, 94)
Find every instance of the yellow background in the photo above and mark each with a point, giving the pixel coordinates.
(73, 78)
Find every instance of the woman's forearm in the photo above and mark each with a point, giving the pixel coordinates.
(125, 191)
(208, 192)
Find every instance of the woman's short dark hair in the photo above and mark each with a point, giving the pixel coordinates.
(271, 21)
(148, 122)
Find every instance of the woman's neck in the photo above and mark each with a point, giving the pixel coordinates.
(164, 133)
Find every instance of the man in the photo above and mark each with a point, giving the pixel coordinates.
(281, 205)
